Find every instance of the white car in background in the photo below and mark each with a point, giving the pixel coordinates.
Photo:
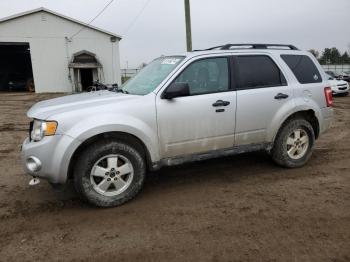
(339, 87)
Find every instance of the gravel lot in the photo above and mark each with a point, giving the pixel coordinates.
(241, 208)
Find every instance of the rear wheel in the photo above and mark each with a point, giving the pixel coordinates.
(294, 143)
(109, 173)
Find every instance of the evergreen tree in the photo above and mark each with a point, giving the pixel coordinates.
(335, 56)
(331, 56)
(345, 58)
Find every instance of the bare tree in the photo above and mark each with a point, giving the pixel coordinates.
(314, 52)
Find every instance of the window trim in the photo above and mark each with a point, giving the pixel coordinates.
(229, 68)
(236, 72)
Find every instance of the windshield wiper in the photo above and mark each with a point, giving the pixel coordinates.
(117, 89)
(120, 90)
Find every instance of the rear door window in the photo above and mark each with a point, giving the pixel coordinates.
(303, 68)
(258, 71)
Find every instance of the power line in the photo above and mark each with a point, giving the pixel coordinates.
(93, 19)
(135, 19)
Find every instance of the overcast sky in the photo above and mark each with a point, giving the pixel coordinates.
(160, 28)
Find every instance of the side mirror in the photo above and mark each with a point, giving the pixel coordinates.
(176, 90)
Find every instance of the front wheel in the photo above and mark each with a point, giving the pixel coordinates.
(109, 173)
(294, 143)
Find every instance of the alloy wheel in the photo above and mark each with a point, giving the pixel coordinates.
(111, 175)
(297, 144)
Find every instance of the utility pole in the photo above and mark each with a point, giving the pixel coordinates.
(188, 25)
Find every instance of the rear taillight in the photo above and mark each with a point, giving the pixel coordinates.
(329, 96)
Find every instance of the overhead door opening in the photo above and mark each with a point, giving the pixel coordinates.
(16, 72)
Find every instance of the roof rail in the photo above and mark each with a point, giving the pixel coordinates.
(250, 46)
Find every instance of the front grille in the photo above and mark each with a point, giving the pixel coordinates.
(30, 129)
(342, 88)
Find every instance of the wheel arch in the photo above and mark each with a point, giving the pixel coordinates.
(308, 114)
(127, 138)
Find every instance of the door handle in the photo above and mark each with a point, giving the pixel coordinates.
(221, 103)
(281, 96)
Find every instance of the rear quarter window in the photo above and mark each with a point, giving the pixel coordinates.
(303, 68)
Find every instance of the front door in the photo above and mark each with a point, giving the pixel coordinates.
(262, 91)
(204, 120)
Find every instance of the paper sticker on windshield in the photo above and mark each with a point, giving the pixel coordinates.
(170, 61)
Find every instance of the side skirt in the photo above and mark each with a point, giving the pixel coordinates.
(178, 160)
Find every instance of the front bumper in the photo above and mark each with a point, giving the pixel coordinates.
(54, 154)
(340, 90)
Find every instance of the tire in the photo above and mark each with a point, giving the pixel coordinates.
(290, 152)
(96, 161)
(89, 89)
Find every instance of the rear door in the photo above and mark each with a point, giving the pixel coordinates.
(262, 90)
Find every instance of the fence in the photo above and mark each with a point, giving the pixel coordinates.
(337, 68)
(127, 73)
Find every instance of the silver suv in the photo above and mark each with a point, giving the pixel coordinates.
(203, 104)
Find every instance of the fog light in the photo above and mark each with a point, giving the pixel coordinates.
(33, 164)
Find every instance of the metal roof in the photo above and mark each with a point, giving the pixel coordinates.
(42, 9)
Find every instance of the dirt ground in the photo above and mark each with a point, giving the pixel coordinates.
(240, 208)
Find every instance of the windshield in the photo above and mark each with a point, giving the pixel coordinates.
(152, 75)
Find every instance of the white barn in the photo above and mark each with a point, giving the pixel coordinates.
(44, 46)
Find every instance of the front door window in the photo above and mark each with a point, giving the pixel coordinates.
(206, 76)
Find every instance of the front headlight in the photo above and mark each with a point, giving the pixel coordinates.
(42, 128)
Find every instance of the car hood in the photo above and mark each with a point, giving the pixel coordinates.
(341, 82)
(44, 109)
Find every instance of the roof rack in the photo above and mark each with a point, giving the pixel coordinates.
(250, 46)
